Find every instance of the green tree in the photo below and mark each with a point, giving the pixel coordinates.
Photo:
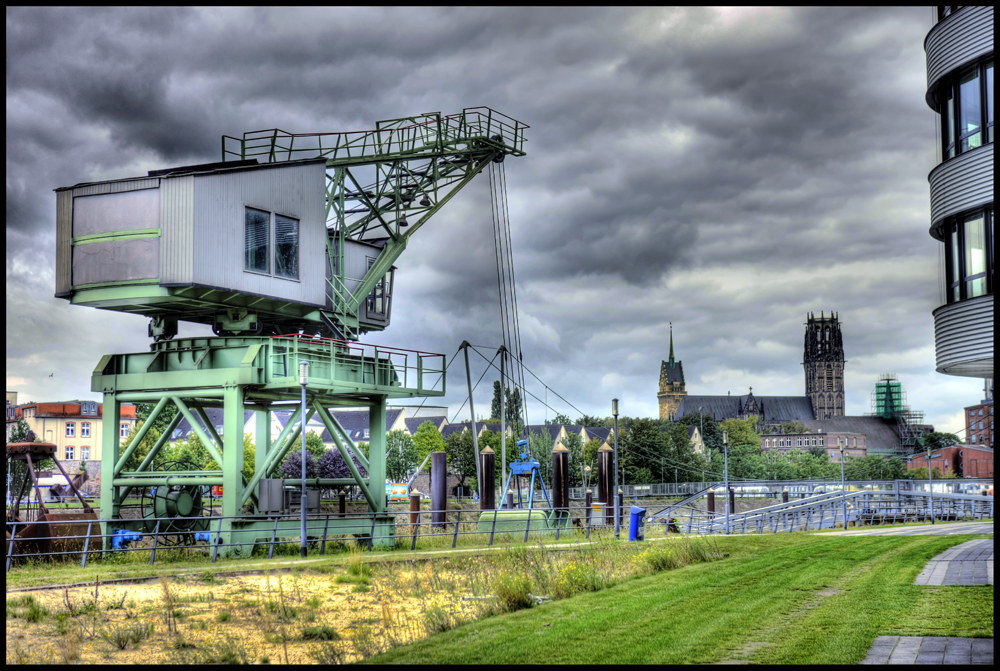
(143, 448)
(427, 439)
(144, 410)
(515, 413)
(496, 408)
(590, 453)
(540, 447)
(574, 443)
(362, 447)
(742, 431)
(194, 451)
(461, 456)
(921, 473)
(400, 455)
(559, 420)
(592, 421)
(711, 434)
(19, 433)
(938, 440)
(793, 428)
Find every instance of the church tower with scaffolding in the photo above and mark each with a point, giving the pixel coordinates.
(671, 383)
(823, 359)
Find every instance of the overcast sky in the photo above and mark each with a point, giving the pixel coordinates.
(725, 170)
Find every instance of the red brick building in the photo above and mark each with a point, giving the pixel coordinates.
(979, 424)
(966, 461)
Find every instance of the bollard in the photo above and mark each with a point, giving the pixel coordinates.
(414, 506)
(732, 501)
(342, 503)
(510, 500)
(605, 474)
(784, 496)
(560, 482)
(802, 495)
(711, 503)
(590, 506)
(488, 495)
(439, 489)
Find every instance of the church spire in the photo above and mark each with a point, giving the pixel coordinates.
(671, 344)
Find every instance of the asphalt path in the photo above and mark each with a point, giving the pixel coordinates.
(939, 529)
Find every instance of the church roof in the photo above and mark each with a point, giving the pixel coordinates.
(775, 408)
(672, 371)
(880, 434)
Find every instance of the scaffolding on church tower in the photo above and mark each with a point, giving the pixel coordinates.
(889, 403)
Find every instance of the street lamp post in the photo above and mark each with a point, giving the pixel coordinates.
(303, 380)
(586, 477)
(930, 477)
(614, 411)
(843, 481)
(725, 449)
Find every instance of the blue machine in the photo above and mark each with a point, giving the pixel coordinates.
(123, 537)
(205, 536)
(524, 466)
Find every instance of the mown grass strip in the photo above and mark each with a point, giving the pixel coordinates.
(762, 604)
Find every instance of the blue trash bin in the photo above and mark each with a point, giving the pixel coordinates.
(636, 527)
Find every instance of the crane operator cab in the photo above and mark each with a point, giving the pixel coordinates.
(240, 246)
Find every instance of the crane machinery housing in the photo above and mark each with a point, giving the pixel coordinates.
(286, 248)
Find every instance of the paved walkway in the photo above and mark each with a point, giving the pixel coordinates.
(970, 563)
(939, 529)
(930, 650)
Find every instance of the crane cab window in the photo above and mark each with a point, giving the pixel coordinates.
(258, 240)
(286, 247)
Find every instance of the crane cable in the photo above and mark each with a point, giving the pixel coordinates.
(506, 283)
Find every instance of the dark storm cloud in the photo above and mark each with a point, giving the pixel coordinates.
(725, 170)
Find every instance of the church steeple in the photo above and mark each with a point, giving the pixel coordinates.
(671, 383)
(671, 344)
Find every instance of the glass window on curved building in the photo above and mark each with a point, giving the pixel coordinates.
(286, 247)
(256, 240)
(970, 256)
(966, 108)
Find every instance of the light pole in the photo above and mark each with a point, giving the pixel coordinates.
(586, 477)
(614, 411)
(843, 481)
(930, 477)
(725, 449)
(303, 380)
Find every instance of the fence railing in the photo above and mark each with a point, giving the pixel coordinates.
(338, 361)
(772, 488)
(834, 509)
(90, 540)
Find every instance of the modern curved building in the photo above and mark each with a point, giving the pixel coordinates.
(960, 89)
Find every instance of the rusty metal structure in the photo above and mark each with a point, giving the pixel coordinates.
(52, 532)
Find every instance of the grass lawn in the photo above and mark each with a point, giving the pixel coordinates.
(795, 598)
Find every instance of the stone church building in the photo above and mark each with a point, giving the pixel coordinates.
(821, 409)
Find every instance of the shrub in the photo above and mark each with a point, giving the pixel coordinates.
(366, 643)
(660, 558)
(513, 592)
(575, 578)
(321, 633)
(224, 616)
(123, 635)
(34, 612)
(437, 620)
(326, 654)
